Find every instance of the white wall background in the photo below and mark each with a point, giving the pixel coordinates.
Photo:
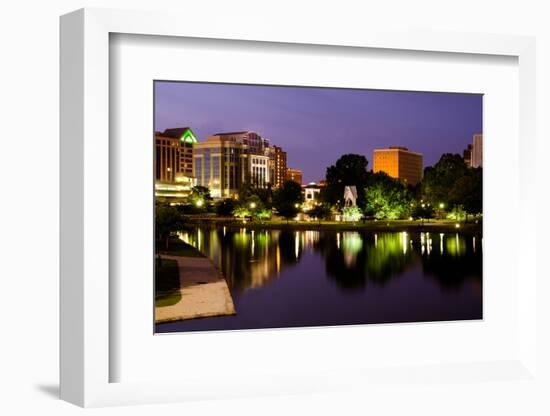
(29, 82)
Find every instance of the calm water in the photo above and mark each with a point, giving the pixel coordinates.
(308, 278)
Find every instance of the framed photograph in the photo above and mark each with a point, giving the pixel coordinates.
(282, 212)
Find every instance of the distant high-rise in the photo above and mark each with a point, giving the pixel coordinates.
(477, 151)
(174, 153)
(400, 163)
(226, 161)
(467, 156)
(294, 175)
(277, 166)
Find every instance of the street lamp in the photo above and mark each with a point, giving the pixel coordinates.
(441, 205)
(199, 203)
(252, 205)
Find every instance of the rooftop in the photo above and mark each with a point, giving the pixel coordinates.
(398, 149)
(232, 133)
(185, 134)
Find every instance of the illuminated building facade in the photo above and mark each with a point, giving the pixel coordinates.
(311, 194)
(400, 163)
(467, 156)
(477, 151)
(277, 166)
(294, 175)
(174, 154)
(226, 161)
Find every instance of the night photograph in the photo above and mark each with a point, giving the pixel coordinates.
(289, 206)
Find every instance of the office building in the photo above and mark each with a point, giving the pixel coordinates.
(174, 154)
(226, 161)
(277, 166)
(467, 156)
(294, 175)
(400, 163)
(477, 151)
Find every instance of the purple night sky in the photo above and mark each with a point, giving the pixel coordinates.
(317, 125)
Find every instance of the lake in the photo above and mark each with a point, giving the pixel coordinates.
(285, 278)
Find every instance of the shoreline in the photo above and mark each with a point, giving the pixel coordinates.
(380, 226)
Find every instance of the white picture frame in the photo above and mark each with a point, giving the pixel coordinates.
(85, 210)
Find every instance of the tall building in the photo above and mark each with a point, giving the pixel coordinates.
(467, 156)
(294, 175)
(277, 166)
(400, 163)
(174, 154)
(477, 151)
(225, 161)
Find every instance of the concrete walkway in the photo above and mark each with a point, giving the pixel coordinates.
(204, 292)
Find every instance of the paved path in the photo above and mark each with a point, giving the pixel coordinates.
(204, 292)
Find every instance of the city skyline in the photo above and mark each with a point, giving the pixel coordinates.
(352, 120)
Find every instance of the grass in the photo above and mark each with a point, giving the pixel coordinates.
(167, 282)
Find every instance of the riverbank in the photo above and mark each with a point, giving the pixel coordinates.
(441, 226)
(203, 291)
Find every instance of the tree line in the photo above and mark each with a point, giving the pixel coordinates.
(448, 189)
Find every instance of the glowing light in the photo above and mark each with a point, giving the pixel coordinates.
(296, 205)
(404, 241)
(224, 230)
(199, 236)
(199, 203)
(338, 240)
(474, 243)
(410, 218)
(252, 205)
(457, 225)
(375, 240)
(441, 205)
(441, 242)
(351, 245)
(188, 137)
(297, 245)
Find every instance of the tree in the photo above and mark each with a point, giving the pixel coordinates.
(320, 212)
(422, 211)
(457, 213)
(287, 197)
(262, 214)
(467, 191)
(349, 170)
(439, 179)
(200, 197)
(167, 221)
(288, 210)
(248, 191)
(352, 214)
(225, 207)
(386, 197)
(241, 212)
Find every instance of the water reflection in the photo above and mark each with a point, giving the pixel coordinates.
(252, 258)
(288, 278)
